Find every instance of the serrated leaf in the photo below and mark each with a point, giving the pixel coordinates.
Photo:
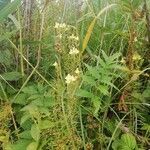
(35, 132)
(93, 71)
(44, 101)
(84, 93)
(32, 109)
(110, 84)
(31, 90)
(128, 141)
(96, 103)
(89, 80)
(20, 99)
(44, 110)
(25, 135)
(101, 62)
(24, 118)
(113, 57)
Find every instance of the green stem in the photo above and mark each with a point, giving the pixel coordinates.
(21, 46)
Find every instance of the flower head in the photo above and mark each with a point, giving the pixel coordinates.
(56, 25)
(77, 71)
(55, 64)
(70, 78)
(136, 57)
(123, 61)
(74, 51)
(60, 25)
(73, 37)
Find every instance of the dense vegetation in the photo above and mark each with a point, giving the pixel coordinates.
(75, 76)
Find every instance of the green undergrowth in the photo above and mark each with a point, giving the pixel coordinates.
(74, 76)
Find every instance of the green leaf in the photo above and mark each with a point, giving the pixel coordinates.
(89, 80)
(84, 93)
(11, 76)
(96, 103)
(31, 90)
(103, 89)
(46, 124)
(8, 9)
(101, 62)
(20, 144)
(44, 101)
(94, 72)
(25, 135)
(146, 127)
(110, 84)
(32, 146)
(32, 109)
(106, 58)
(21, 99)
(24, 118)
(116, 144)
(128, 141)
(44, 110)
(5, 56)
(35, 132)
(113, 57)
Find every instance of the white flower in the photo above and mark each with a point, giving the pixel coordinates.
(60, 25)
(135, 39)
(77, 71)
(56, 25)
(123, 61)
(70, 78)
(74, 37)
(59, 36)
(55, 64)
(74, 51)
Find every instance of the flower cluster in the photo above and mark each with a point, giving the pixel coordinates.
(73, 51)
(60, 25)
(136, 57)
(73, 44)
(73, 37)
(55, 64)
(72, 78)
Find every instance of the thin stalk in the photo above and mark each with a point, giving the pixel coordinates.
(82, 128)
(20, 46)
(65, 118)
